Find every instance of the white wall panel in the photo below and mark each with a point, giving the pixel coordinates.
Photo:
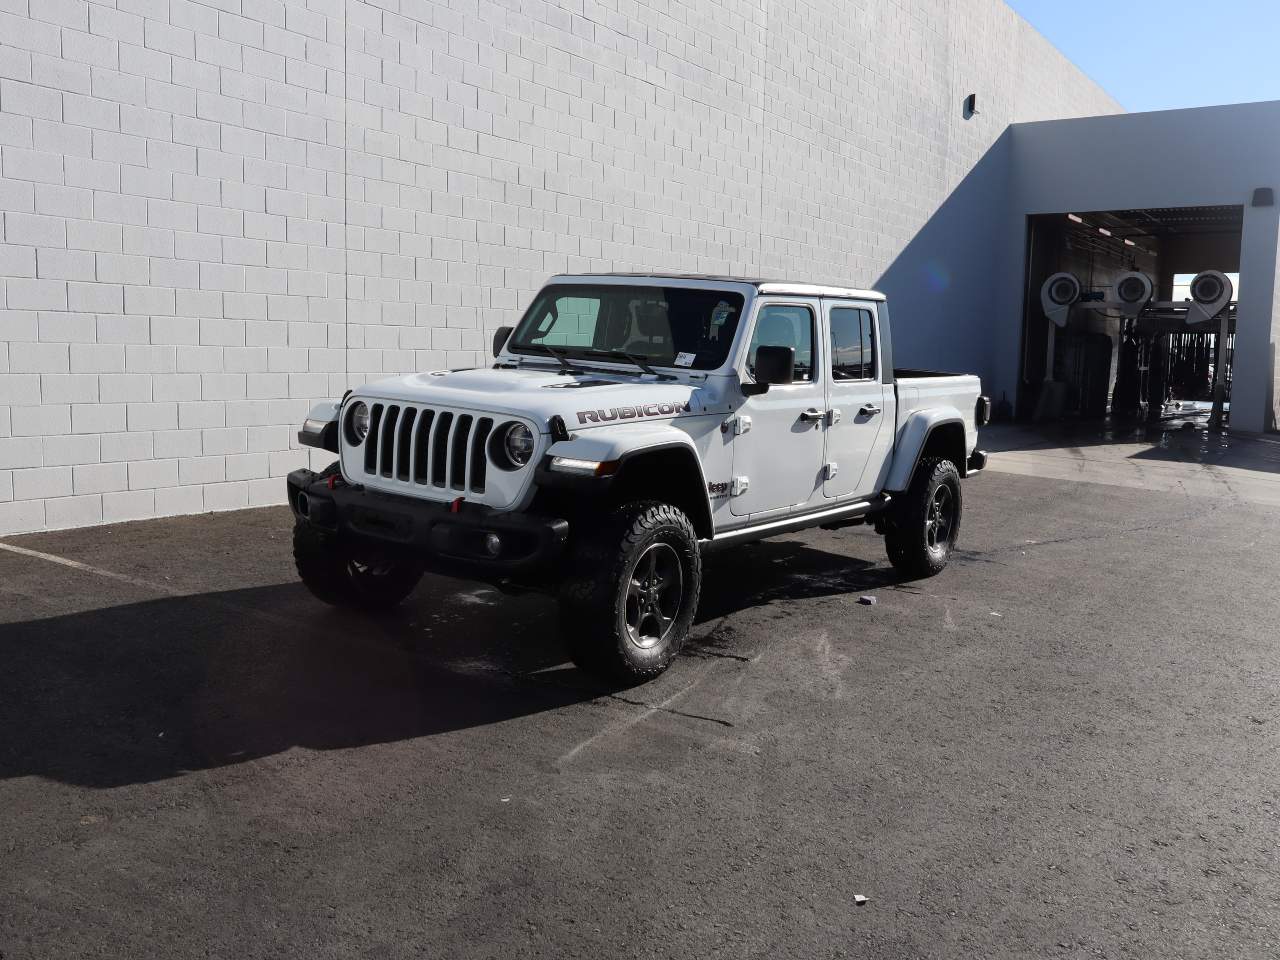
(215, 213)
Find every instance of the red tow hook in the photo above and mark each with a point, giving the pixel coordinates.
(333, 480)
(456, 505)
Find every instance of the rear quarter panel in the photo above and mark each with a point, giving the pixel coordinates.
(923, 404)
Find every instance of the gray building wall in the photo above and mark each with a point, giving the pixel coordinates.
(215, 213)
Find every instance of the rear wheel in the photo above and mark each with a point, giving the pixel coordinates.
(348, 576)
(925, 525)
(627, 607)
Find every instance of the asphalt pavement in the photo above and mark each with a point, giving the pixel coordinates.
(1063, 746)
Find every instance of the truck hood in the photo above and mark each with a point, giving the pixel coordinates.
(592, 398)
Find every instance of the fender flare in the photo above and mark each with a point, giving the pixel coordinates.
(912, 439)
(626, 447)
(320, 428)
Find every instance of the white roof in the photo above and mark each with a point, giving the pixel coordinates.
(817, 290)
(776, 287)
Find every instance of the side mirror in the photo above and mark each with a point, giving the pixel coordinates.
(773, 365)
(500, 339)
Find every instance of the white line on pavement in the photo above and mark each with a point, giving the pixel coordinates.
(147, 584)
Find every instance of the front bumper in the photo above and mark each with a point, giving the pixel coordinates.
(448, 540)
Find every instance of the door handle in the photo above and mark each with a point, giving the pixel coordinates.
(868, 410)
(812, 415)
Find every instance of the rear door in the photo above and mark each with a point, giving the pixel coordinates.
(856, 400)
(778, 457)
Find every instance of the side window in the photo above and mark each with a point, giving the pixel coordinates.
(853, 347)
(785, 325)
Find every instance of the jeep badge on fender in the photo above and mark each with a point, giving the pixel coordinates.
(784, 392)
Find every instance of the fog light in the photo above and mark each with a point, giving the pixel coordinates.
(493, 544)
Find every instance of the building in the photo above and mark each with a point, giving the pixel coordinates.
(216, 212)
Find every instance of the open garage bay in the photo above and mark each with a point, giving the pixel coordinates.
(1065, 745)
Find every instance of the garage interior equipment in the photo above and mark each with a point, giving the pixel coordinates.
(1130, 314)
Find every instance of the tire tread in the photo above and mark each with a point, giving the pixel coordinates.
(589, 595)
(904, 540)
(321, 561)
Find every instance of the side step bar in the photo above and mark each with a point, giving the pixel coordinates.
(977, 460)
(834, 516)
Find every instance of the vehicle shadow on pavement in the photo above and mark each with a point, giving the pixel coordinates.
(144, 691)
(139, 692)
(760, 573)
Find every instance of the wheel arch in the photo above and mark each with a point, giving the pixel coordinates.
(670, 472)
(928, 433)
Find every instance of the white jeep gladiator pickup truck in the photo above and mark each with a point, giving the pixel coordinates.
(630, 424)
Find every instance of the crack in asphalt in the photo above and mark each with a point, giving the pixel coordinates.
(619, 698)
(672, 710)
(705, 653)
(649, 709)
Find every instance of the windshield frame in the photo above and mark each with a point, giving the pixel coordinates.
(522, 352)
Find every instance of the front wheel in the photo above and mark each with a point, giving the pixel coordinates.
(346, 576)
(925, 523)
(627, 607)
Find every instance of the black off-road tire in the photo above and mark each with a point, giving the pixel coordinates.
(339, 576)
(918, 541)
(610, 584)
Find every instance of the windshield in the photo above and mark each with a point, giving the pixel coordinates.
(665, 326)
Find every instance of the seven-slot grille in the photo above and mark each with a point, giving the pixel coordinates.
(427, 447)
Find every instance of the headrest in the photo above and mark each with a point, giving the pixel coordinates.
(651, 320)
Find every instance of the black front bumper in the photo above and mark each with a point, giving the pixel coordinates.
(448, 540)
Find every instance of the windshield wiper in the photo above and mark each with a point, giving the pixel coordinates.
(559, 357)
(635, 358)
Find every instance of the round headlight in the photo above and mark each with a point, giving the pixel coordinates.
(517, 443)
(358, 422)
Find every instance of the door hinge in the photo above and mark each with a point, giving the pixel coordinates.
(833, 416)
(829, 470)
(739, 486)
(738, 425)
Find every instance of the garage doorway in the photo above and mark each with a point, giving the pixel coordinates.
(1148, 359)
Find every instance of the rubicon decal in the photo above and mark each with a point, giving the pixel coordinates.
(632, 413)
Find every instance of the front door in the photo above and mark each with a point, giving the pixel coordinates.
(856, 399)
(777, 455)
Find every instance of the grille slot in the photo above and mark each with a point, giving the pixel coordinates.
(484, 426)
(458, 452)
(440, 449)
(387, 441)
(371, 442)
(422, 446)
(404, 434)
(410, 446)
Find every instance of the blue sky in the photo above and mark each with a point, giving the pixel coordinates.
(1163, 54)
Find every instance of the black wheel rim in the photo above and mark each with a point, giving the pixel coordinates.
(655, 590)
(364, 570)
(939, 519)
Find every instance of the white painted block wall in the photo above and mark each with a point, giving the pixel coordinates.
(214, 213)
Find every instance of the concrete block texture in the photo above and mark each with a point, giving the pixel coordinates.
(205, 205)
